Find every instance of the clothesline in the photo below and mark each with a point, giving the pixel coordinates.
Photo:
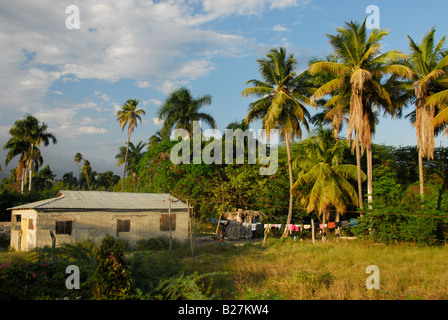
(296, 227)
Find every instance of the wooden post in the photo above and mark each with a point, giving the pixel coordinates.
(312, 229)
(192, 231)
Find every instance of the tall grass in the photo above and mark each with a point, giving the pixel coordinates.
(283, 269)
(290, 270)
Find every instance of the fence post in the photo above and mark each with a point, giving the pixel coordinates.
(312, 229)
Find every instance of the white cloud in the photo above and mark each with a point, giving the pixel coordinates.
(280, 28)
(157, 121)
(142, 84)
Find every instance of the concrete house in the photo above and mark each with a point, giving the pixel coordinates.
(75, 216)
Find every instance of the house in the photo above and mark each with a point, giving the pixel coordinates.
(75, 216)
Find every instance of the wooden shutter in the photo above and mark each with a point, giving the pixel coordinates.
(64, 227)
(165, 222)
(123, 225)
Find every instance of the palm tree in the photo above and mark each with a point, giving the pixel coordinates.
(78, 159)
(281, 102)
(322, 177)
(135, 154)
(161, 135)
(87, 171)
(129, 115)
(70, 179)
(27, 135)
(180, 110)
(359, 65)
(429, 62)
(17, 147)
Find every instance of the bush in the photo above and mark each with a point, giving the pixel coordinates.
(188, 287)
(148, 269)
(111, 279)
(162, 243)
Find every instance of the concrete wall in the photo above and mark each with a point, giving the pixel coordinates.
(23, 230)
(95, 225)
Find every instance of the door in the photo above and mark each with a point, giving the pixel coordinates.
(24, 230)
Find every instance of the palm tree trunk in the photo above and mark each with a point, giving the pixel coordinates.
(369, 176)
(30, 177)
(420, 170)
(324, 222)
(126, 159)
(87, 180)
(22, 178)
(358, 165)
(291, 183)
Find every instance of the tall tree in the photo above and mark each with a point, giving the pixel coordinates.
(135, 154)
(322, 177)
(281, 103)
(360, 64)
(87, 171)
(180, 110)
(27, 135)
(78, 159)
(429, 62)
(129, 115)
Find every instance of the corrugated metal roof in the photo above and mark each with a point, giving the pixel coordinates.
(96, 200)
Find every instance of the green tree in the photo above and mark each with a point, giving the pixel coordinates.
(281, 103)
(69, 179)
(322, 177)
(429, 63)
(180, 110)
(360, 65)
(78, 159)
(27, 135)
(135, 154)
(87, 171)
(129, 115)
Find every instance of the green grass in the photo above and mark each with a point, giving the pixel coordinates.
(285, 269)
(290, 270)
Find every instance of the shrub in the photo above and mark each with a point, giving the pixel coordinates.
(111, 279)
(188, 287)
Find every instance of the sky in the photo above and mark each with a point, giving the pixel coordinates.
(75, 80)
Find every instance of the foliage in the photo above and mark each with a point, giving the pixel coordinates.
(111, 279)
(188, 287)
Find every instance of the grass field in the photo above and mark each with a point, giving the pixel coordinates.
(291, 270)
(297, 270)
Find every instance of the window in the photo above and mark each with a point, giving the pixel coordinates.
(64, 227)
(123, 225)
(30, 224)
(165, 222)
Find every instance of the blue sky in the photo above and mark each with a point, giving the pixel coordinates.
(75, 80)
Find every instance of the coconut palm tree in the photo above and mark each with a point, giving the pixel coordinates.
(180, 110)
(135, 154)
(322, 177)
(429, 62)
(359, 64)
(281, 103)
(129, 115)
(27, 135)
(87, 171)
(78, 159)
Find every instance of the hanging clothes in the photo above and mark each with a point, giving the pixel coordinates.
(331, 225)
